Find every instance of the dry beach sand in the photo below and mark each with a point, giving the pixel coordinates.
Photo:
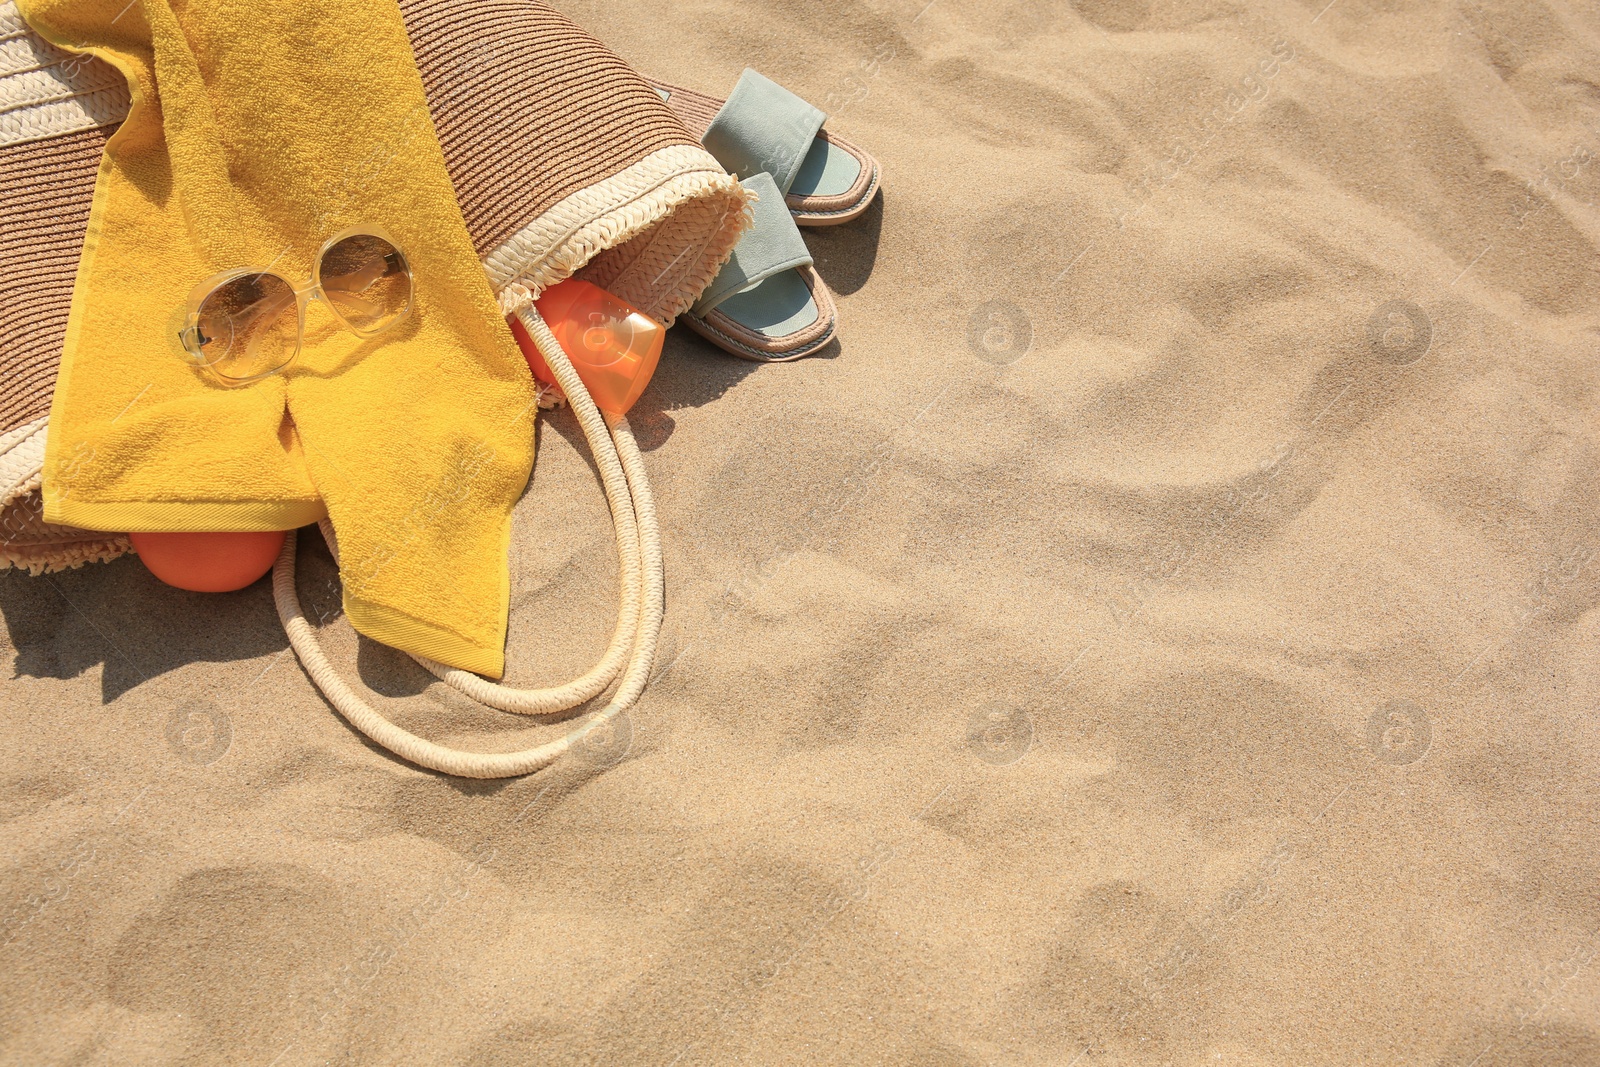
(1163, 631)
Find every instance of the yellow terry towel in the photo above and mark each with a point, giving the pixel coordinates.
(277, 126)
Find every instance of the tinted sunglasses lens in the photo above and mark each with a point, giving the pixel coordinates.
(246, 328)
(367, 281)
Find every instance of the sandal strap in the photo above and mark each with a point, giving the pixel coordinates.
(763, 127)
(772, 245)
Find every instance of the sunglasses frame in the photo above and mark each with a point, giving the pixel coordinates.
(303, 295)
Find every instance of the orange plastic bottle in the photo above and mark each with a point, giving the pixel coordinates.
(613, 346)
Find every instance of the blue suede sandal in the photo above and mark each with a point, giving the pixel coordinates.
(825, 179)
(767, 304)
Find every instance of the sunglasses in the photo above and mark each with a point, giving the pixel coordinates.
(244, 325)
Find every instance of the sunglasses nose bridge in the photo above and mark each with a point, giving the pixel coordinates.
(239, 300)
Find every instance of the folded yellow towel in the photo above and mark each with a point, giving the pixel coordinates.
(277, 126)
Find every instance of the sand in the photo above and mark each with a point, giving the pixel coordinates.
(1163, 631)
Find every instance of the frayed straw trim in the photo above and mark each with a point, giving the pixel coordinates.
(558, 243)
(48, 559)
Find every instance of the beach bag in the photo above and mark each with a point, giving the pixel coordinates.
(566, 163)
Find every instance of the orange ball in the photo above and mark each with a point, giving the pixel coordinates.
(209, 562)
